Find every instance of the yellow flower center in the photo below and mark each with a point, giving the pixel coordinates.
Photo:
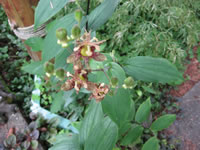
(86, 51)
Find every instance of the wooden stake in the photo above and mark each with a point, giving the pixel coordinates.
(21, 14)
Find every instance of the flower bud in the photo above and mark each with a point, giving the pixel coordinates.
(76, 32)
(34, 144)
(128, 83)
(61, 34)
(78, 15)
(60, 73)
(114, 82)
(49, 67)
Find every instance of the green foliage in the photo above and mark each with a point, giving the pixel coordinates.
(12, 57)
(153, 28)
(151, 144)
(47, 9)
(36, 43)
(102, 13)
(134, 133)
(143, 30)
(163, 122)
(152, 69)
(36, 68)
(143, 111)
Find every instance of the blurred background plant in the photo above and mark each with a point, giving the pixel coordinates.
(157, 28)
(12, 56)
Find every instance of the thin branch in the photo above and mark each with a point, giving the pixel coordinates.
(87, 13)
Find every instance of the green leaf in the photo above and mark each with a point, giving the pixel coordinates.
(118, 107)
(93, 117)
(163, 122)
(143, 111)
(152, 69)
(103, 136)
(67, 143)
(132, 135)
(36, 43)
(102, 13)
(47, 9)
(57, 103)
(151, 144)
(60, 60)
(51, 48)
(36, 68)
(132, 111)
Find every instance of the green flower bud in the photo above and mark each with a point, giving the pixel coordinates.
(78, 15)
(114, 82)
(76, 32)
(60, 73)
(61, 34)
(128, 83)
(49, 67)
(34, 144)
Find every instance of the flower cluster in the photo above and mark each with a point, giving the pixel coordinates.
(84, 50)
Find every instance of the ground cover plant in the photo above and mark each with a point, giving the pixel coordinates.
(12, 56)
(75, 61)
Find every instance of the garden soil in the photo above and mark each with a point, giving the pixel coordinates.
(186, 129)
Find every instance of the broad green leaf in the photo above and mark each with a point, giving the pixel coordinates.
(57, 103)
(124, 128)
(36, 68)
(132, 111)
(152, 69)
(143, 111)
(60, 99)
(151, 144)
(67, 143)
(118, 106)
(132, 135)
(60, 60)
(51, 48)
(47, 9)
(93, 117)
(36, 43)
(102, 13)
(163, 122)
(103, 136)
(112, 69)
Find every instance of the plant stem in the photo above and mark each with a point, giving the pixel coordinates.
(87, 12)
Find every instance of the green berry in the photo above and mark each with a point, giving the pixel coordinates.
(76, 32)
(60, 73)
(114, 82)
(128, 83)
(61, 33)
(49, 67)
(78, 15)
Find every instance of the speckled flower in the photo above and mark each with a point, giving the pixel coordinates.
(85, 49)
(99, 92)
